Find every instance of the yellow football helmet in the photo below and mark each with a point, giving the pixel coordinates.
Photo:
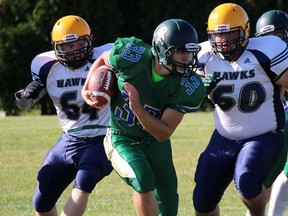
(225, 18)
(70, 29)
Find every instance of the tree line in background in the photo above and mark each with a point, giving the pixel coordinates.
(25, 27)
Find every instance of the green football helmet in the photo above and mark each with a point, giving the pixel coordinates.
(175, 35)
(273, 22)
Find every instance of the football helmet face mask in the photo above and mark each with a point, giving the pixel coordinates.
(226, 19)
(273, 22)
(68, 30)
(175, 36)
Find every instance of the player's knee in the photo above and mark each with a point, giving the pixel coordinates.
(249, 185)
(204, 200)
(87, 179)
(42, 203)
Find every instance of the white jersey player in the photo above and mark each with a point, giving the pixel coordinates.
(64, 86)
(243, 78)
(246, 91)
(79, 153)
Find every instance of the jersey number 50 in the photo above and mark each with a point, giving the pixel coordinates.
(250, 98)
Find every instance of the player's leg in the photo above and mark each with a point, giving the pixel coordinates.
(76, 204)
(142, 200)
(215, 212)
(92, 166)
(132, 164)
(275, 171)
(214, 173)
(279, 195)
(163, 167)
(256, 205)
(53, 212)
(280, 163)
(254, 161)
(53, 177)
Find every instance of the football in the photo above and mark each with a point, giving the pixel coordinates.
(102, 85)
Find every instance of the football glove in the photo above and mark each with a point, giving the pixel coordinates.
(32, 90)
(210, 82)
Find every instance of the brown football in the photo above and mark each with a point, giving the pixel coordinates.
(102, 85)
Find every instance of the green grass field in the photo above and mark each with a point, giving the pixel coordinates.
(25, 140)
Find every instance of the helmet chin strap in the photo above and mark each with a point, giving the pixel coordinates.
(173, 69)
(168, 68)
(164, 63)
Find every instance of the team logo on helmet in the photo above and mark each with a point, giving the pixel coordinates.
(161, 33)
(69, 38)
(191, 46)
(222, 28)
(267, 28)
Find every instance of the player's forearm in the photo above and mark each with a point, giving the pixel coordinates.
(162, 128)
(156, 127)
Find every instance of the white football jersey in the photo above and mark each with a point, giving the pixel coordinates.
(247, 101)
(64, 88)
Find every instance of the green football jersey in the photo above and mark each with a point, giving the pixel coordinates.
(132, 58)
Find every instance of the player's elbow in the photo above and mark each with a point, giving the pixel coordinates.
(163, 135)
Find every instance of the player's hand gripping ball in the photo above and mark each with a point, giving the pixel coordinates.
(102, 85)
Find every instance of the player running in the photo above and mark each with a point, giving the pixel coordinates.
(79, 153)
(249, 115)
(157, 86)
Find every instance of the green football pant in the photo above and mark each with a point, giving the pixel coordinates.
(145, 165)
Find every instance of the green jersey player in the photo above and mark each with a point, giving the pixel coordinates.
(156, 87)
(275, 22)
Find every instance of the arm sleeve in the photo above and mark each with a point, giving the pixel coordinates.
(189, 96)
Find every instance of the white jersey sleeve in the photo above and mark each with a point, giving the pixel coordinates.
(247, 101)
(36, 64)
(64, 88)
(275, 50)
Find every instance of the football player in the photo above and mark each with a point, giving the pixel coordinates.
(249, 117)
(275, 22)
(156, 86)
(79, 153)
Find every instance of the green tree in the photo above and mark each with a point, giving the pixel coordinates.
(25, 27)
